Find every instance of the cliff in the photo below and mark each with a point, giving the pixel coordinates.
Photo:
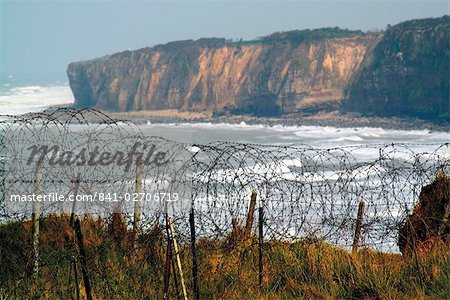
(401, 72)
(281, 73)
(407, 74)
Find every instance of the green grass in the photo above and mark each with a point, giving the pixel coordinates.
(302, 270)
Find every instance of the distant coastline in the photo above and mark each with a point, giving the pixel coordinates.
(302, 75)
(333, 119)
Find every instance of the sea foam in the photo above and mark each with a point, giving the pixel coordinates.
(35, 98)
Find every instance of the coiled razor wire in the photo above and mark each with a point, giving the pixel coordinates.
(304, 191)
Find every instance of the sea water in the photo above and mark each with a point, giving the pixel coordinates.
(20, 99)
(322, 191)
(16, 99)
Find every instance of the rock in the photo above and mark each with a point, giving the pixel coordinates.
(278, 74)
(402, 72)
(407, 74)
(428, 227)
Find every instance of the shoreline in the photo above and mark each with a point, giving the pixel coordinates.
(330, 119)
(333, 119)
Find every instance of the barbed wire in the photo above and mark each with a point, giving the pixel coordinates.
(305, 192)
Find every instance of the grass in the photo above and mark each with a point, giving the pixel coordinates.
(306, 269)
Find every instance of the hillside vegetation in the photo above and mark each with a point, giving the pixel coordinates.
(308, 268)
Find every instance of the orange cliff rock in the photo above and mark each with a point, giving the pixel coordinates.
(401, 72)
(217, 75)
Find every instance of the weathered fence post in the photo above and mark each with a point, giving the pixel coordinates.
(83, 259)
(194, 255)
(260, 248)
(77, 288)
(74, 204)
(137, 204)
(250, 215)
(177, 255)
(35, 217)
(168, 260)
(359, 221)
(175, 280)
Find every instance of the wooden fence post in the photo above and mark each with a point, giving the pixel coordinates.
(194, 255)
(260, 248)
(359, 221)
(177, 255)
(175, 280)
(137, 204)
(251, 211)
(168, 260)
(74, 204)
(83, 259)
(73, 263)
(35, 217)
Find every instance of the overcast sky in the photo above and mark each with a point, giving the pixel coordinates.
(38, 39)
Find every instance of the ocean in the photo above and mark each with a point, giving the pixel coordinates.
(323, 170)
(20, 99)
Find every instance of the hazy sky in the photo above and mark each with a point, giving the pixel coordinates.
(38, 39)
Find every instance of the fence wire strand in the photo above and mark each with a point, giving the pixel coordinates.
(305, 192)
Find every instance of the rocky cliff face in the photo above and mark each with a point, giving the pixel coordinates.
(278, 74)
(402, 72)
(407, 74)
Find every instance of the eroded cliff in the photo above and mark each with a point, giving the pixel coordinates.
(401, 72)
(407, 74)
(307, 70)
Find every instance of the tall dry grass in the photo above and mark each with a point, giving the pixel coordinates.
(308, 269)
